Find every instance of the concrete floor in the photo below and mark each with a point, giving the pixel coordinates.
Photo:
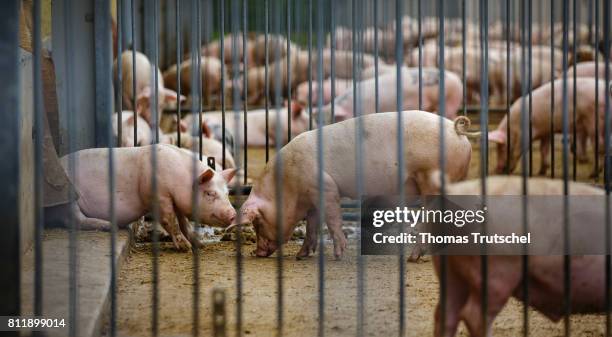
(93, 281)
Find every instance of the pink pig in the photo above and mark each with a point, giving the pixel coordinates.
(410, 86)
(541, 112)
(300, 174)
(134, 195)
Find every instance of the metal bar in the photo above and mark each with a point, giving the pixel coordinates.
(10, 250)
(289, 85)
(178, 22)
(376, 84)
(278, 178)
(196, 131)
(235, 24)
(608, 268)
(38, 161)
(552, 94)
(399, 51)
(508, 70)
(596, 145)
(463, 53)
(119, 84)
(529, 11)
(420, 37)
(574, 117)
(246, 90)
(320, 168)
(134, 94)
(73, 312)
(442, 153)
(332, 51)
(222, 37)
(266, 75)
(105, 14)
(566, 260)
(310, 65)
(359, 155)
(526, 163)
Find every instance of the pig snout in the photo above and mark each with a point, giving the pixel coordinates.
(227, 216)
(265, 247)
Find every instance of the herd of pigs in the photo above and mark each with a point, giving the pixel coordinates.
(379, 139)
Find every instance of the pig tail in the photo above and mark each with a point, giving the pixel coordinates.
(462, 124)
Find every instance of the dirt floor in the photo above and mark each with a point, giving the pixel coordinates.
(300, 289)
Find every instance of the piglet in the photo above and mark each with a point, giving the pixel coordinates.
(300, 189)
(144, 135)
(134, 195)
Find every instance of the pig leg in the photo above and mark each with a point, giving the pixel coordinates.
(88, 223)
(312, 231)
(581, 147)
(544, 151)
(457, 294)
(333, 216)
(187, 229)
(167, 220)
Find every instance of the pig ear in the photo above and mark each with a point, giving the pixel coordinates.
(206, 130)
(497, 137)
(228, 174)
(206, 176)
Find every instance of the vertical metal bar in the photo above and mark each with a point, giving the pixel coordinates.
(222, 38)
(566, 262)
(320, 167)
(38, 160)
(106, 15)
(529, 13)
(278, 178)
(608, 268)
(289, 85)
(399, 51)
(310, 65)
(463, 54)
(10, 250)
(73, 312)
(508, 76)
(134, 94)
(178, 23)
(332, 69)
(119, 84)
(376, 87)
(266, 74)
(151, 41)
(575, 54)
(596, 43)
(196, 131)
(103, 92)
(245, 95)
(442, 154)
(552, 93)
(420, 37)
(525, 146)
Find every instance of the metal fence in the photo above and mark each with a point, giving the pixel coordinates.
(309, 23)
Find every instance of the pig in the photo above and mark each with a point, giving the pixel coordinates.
(144, 136)
(277, 45)
(210, 67)
(303, 89)
(541, 106)
(464, 276)
(380, 173)
(134, 195)
(214, 49)
(387, 97)
(144, 83)
(256, 121)
(587, 69)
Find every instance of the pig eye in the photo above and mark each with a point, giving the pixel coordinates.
(211, 194)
